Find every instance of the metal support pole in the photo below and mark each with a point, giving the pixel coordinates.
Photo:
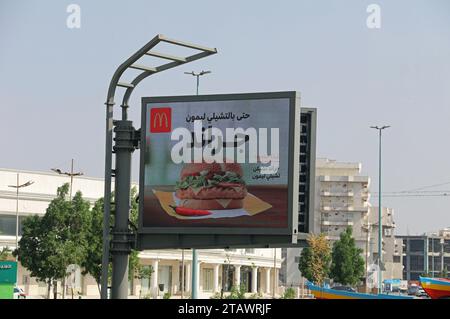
(442, 241)
(195, 269)
(432, 256)
(380, 224)
(182, 274)
(107, 199)
(198, 80)
(71, 179)
(274, 271)
(195, 272)
(17, 215)
(425, 255)
(122, 240)
(367, 250)
(121, 233)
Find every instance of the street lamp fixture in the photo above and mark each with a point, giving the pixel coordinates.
(198, 75)
(71, 174)
(380, 225)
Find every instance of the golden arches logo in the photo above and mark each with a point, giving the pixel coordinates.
(160, 120)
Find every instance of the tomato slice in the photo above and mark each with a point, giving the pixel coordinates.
(184, 211)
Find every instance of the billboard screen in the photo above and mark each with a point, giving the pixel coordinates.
(220, 164)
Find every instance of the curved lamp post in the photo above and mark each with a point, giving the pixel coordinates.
(126, 142)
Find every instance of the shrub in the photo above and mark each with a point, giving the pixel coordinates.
(167, 295)
(289, 294)
(236, 293)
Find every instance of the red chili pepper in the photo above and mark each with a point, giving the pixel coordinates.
(183, 211)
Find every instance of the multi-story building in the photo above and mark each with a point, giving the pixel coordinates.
(392, 267)
(342, 200)
(426, 254)
(220, 269)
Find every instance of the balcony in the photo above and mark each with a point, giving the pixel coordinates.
(346, 208)
(342, 193)
(354, 179)
(337, 223)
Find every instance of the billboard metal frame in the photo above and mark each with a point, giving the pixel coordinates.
(222, 237)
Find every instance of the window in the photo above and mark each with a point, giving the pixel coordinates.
(416, 263)
(249, 250)
(8, 225)
(207, 279)
(396, 259)
(416, 245)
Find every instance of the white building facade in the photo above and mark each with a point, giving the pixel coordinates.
(255, 269)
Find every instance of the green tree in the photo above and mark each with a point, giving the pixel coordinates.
(51, 243)
(92, 263)
(347, 267)
(314, 263)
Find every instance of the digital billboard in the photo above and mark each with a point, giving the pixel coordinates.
(217, 165)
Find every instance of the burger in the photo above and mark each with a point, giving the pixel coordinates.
(211, 186)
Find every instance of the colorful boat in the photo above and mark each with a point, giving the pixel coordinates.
(329, 293)
(436, 288)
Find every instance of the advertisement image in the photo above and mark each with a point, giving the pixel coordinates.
(216, 163)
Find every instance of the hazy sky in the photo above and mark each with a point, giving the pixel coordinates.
(53, 80)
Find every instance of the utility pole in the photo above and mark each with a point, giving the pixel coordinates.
(195, 270)
(380, 224)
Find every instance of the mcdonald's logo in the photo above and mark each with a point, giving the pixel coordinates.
(161, 120)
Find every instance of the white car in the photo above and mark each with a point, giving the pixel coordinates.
(19, 293)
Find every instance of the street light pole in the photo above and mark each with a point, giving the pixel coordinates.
(195, 270)
(17, 187)
(71, 174)
(123, 239)
(380, 225)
